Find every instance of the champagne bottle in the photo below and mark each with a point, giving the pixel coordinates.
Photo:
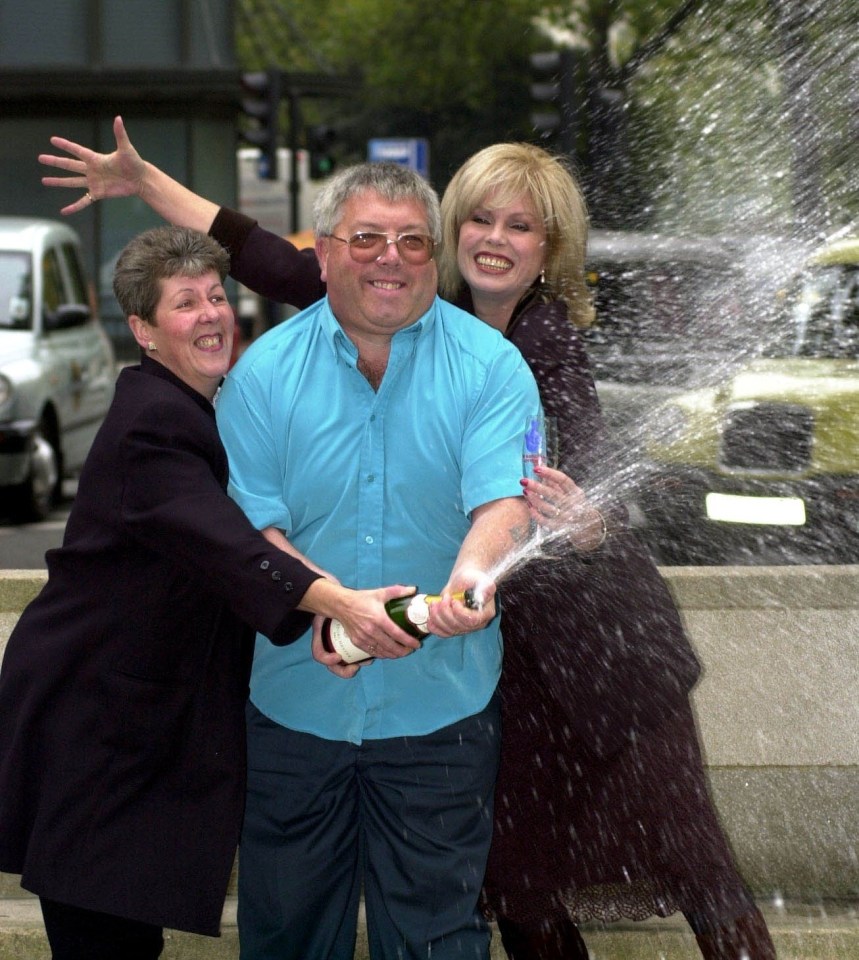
(409, 613)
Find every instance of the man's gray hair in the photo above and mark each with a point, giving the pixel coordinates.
(392, 181)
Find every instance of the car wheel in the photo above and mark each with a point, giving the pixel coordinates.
(32, 501)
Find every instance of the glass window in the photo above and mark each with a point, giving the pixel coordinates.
(16, 291)
(823, 316)
(52, 281)
(79, 291)
(646, 307)
(211, 34)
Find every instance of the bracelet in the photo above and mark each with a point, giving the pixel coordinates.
(604, 530)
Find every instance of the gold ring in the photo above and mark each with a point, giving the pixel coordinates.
(90, 197)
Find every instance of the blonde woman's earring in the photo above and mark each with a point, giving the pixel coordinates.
(151, 347)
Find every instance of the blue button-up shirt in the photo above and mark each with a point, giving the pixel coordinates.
(377, 487)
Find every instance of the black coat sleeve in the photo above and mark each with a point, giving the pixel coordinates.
(266, 263)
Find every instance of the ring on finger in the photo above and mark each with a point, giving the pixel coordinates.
(89, 197)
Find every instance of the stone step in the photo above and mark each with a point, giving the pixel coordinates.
(827, 931)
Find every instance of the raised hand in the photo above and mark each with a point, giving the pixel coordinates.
(100, 175)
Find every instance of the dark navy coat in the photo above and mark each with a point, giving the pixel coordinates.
(122, 692)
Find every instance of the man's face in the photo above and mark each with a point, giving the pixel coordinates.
(374, 300)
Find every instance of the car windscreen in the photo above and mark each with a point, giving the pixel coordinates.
(653, 307)
(822, 316)
(16, 305)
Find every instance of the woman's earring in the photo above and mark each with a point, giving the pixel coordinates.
(151, 347)
(543, 277)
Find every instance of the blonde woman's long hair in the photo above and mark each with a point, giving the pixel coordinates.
(510, 170)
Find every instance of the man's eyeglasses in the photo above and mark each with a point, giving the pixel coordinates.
(367, 247)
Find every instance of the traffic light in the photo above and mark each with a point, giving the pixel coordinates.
(261, 103)
(320, 140)
(555, 87)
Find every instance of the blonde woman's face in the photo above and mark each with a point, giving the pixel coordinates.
(501, 249)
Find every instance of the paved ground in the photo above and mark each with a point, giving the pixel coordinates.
(827, 931)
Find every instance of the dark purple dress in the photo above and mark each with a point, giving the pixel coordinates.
(602, 806)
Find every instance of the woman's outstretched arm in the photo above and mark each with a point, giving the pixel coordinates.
(124, 173)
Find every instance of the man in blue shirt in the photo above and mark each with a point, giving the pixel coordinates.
(380, 432)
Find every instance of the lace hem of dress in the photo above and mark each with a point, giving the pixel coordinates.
(610, 902)
(600, 903)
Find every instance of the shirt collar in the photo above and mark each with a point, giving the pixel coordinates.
(335, 335)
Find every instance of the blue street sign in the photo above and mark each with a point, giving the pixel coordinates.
(411, 152)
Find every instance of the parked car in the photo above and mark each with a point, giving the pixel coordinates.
(765, 466)
(57, 367)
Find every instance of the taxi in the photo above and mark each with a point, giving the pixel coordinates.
(764, 467)
(57, 366)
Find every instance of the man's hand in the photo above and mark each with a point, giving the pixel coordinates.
(450, 618)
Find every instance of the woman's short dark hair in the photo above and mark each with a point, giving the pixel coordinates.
(158, 254)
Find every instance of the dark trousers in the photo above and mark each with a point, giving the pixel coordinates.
(78, 934)
(407, 818)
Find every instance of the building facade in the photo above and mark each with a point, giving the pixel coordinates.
(68, 67)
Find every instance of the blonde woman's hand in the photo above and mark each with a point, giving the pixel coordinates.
(560, 508)
(100, 175)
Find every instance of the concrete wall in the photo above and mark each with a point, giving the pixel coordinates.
(778, 711)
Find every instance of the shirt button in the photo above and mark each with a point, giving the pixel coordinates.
(264, 565)
(288, 586)
(368, 539)
(371, 477)
(276, 575)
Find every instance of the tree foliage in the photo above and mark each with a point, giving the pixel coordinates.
(712, 91)
(455, 74)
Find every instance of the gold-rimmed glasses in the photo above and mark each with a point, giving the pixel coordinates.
(366, 247)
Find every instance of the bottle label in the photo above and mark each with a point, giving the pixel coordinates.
(417, 612)
(342, 645)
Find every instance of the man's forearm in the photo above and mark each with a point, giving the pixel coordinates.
(499, 529)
